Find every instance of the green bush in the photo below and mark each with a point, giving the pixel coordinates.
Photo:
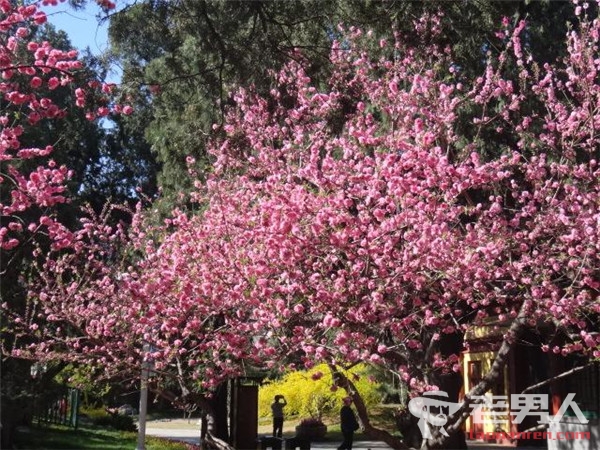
(93, 413)
(102, 418)
(307, 397)
(115, 421)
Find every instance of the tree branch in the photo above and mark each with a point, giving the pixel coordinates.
(496, 371)
(557, 377)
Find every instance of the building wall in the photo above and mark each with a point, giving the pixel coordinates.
(474, 366)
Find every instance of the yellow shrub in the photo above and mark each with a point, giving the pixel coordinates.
(307, 397)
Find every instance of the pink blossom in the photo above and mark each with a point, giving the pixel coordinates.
(317, 375)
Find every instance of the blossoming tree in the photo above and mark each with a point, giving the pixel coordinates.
(33, 185)
(29, 68)
(370, 222)
(374, 219)
(378, 219)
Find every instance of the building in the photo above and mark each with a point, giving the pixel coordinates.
(511, 418)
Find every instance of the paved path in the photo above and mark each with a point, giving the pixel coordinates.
(176, 430)
(357, 445)
(179, 430)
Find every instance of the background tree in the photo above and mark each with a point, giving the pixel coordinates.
(49, 145)
(189, 55)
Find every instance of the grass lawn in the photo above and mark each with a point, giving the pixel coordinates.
(55, 437)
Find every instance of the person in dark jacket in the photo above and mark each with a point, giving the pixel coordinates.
(349, 424)
(277, 409)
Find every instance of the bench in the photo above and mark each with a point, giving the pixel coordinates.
(294, 442)
(265, 442)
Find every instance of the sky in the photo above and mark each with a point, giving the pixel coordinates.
(82, 26)
(84, 29)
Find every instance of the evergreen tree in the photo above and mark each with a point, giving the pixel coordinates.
(188, 55)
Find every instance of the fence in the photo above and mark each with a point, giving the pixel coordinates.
(59, 409)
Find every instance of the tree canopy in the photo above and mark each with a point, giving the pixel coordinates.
(188, 56)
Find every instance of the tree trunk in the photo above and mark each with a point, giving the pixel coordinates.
(363, 415)
(210, 439)
(210, 431)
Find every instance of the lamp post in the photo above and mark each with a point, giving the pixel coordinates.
(141, 441)
(36, 369)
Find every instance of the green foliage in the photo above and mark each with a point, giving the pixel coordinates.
(154, 443)
(182, 59)
(82, 377)
(93, 413)
(307, 397)
(116, 421)
(196, 51)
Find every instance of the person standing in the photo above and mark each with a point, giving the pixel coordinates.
(349, 424)
(277, 410)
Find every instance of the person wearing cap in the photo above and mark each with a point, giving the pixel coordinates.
(349, 424)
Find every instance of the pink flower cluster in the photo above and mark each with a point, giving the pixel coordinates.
(29, 68)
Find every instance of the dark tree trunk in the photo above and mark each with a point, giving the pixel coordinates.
(212, 427)
(452, 384)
